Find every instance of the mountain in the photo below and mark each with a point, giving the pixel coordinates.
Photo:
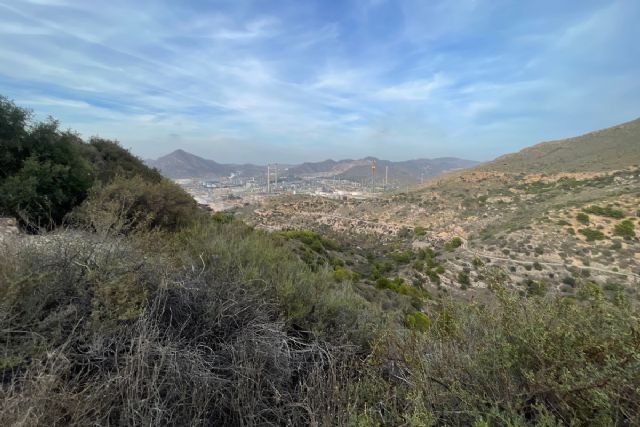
(612, 148)
(406, 172)
(315, 167)
(180, 164)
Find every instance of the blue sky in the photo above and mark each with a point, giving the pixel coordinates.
(288, 81)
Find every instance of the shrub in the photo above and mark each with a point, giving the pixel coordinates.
(606, 211)
(453, 244)
(477, 262)
(419, 230)
(340, 274)
(582, 218)
(45, 172)
(463, 279)
(113, 335)
(43, 175)
(540, 361)
(434, 276)
(624, 229)
(402, 257)
(312, 239)
(399, 286)
(616, 245)
(591, 234)
(536, 288)
(110, 160)
(130, 204)
(417, 321)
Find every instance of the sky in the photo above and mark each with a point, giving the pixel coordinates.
(304, 80)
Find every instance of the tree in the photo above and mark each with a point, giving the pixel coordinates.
(43, 173)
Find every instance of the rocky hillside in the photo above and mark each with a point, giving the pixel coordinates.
(613, 148)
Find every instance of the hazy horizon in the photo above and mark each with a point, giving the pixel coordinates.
(312, 160)
(247, 82)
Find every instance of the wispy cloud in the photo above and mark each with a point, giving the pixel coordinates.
(416, 90)
(240, 81)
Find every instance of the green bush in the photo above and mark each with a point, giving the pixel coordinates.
(403, 257)
(542, 361)
(417, 321)
(536, 288)
(463, 279)
(591, 234)
(399, 286)
(45, 172)
(624, 229)
(477, 262)
(42, 172)
(453, 244)
(582, 218)
(110, 160)
(340, 274)
(606, 211)
(312, 239)
(133, 204)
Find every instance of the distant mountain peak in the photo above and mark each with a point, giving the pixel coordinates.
(182, 164)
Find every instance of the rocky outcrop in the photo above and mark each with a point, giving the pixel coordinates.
(8, 227)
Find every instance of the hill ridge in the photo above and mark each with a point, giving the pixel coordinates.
(611, 148)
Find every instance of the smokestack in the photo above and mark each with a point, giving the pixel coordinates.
(268, 179)
(386, 176)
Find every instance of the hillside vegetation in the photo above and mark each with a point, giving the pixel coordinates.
(608, 149)
(130, 306)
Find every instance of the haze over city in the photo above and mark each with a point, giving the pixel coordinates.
(291, 81)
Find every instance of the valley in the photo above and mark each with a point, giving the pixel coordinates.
(555, 232)
(316, 301)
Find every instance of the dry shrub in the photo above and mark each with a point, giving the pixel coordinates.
(169, 346)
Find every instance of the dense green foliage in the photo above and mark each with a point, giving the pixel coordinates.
(606, 211)
(582, 218)
(591, 234)
(133, 203)
(42, 172)
(625, 229)
(45, 173)
(453, 244)
(520, 362)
